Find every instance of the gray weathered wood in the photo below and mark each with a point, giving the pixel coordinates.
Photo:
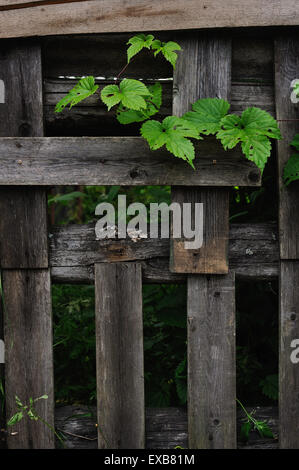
(117, 161)
(253, 253)
(288, 370)
(29, 361)
(119, 350)
(286, 70)
(203, 71)
(211, 362)
(166, 428)
(50, 17)
(24, 246)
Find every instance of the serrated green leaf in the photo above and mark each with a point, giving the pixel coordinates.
(167, 49)
(153, 104)
(257, 149)
(253, 129)
(16, 418)
(295, 142)
(291, 169)
(84, 88)
(245, 430)
(270, 386)
(207, 114)
(173, 132)
(130, 93)
(263, 429)
(139, 42)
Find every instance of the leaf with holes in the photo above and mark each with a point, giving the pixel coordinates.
(167, 49)
(153, 104)
(252, 129)
(84, 88)
(174, 133)
(207, 114)
(130, 93)
(137, 43)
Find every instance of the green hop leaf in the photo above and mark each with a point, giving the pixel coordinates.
(16, 418)
(167, 49)
(296, 89)
(270, 386)
(245, 430)
(291, 169)
(253, 130)
(139, 42)
(263, 429)
(295, 142)
(207, 114)
(130, 93)
(173, 132)
(153, 104)
(84, 88)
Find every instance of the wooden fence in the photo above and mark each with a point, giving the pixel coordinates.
(236, 66)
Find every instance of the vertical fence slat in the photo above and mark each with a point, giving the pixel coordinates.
(120, 370)
(286, 70)
(211, 362)
(24, 256)
(203, 70)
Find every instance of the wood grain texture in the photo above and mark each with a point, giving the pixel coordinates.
(286, 70)
(289, 371)
(211, 362)
(50, 17)
(29, 361)
(22, 115)
(203, 71)
(117, 161)
(166, 428)
(253, 253)
(24, 246)
(119, 350)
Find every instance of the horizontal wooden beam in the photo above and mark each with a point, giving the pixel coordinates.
(19, 18)
(118, 161)
(253, 253)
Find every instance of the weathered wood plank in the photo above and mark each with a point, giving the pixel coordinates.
(166, 428)
(253, 253)
(288, 369)
(117, 161)
(50, 17)
(119, 346)
(29, 361)
(286, 70)
(211, 362)
(203, 71)
(24, 246)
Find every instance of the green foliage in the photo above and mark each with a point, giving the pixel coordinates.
(167, 49)
(153, 103)
(291, 169)
(173, 132)
(137, 43)
(251, 424)
(65, 198)
(130, 93)
(207, 114)
(270, 386)
(296, 89)
(252, 129)
(82, 90)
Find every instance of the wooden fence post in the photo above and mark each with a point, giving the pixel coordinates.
(286, 70)
(203, 71)
(211, 362)
(24, 257)
(120, 370)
